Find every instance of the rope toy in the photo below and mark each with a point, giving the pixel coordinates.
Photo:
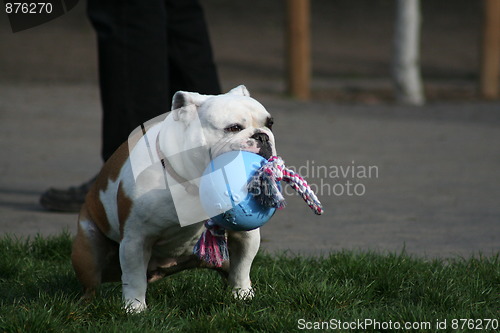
(264, 186)
(212, 245)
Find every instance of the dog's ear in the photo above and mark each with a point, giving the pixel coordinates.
(184, 98)
(185, 104)
(240, 90)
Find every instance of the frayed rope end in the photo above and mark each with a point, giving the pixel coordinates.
(212, 245)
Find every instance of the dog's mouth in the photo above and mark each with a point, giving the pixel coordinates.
(259, 143)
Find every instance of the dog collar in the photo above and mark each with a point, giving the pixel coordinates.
(167, 167)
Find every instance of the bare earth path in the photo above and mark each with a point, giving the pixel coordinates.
(435, 171)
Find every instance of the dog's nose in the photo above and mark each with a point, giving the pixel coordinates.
(264, 144)
(261, 137)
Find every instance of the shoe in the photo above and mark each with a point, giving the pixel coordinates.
(69, 200)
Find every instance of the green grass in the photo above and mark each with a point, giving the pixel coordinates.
(39, 293)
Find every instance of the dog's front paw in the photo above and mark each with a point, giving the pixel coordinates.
(134, 306)
(245, 294)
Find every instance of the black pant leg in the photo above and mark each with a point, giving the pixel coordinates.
(133, 71)
(191, 63)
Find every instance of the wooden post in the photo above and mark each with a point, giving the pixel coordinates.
(490, 57)
(406, 59)
(298, 48)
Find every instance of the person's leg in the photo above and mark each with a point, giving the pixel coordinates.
(133, 78)
(190, 59)
(133, 71)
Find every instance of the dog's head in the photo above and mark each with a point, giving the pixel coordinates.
(222, 123)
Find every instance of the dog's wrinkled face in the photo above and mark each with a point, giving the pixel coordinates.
(237, 123)
(222, 123)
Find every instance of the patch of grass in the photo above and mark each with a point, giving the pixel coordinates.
(39, 293)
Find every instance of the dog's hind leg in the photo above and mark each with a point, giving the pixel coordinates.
(94, 256)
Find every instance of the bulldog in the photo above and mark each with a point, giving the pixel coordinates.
(129, 228)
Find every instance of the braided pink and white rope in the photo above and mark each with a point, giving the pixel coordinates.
(273, 171)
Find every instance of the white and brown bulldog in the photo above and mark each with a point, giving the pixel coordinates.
(130, 229)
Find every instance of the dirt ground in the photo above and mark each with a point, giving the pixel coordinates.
(436, 191)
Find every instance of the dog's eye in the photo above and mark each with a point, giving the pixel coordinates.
(234, 128)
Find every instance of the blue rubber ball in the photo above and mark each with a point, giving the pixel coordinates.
(224, 195)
